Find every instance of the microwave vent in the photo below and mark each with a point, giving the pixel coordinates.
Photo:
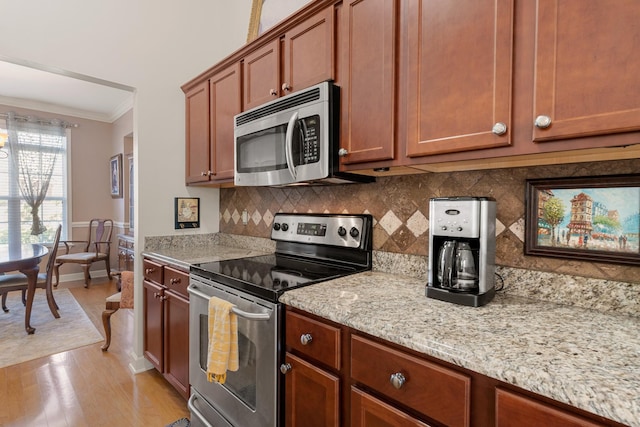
(290, 101)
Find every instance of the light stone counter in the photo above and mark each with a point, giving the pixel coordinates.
(585, 358)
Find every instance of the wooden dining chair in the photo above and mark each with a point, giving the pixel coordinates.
(96, 248)
(122, 299)
(18, 281)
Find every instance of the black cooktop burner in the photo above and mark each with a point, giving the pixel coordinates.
(268, 276)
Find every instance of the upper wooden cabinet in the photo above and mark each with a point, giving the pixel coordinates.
(210, 107)
(586, 68)
(302, 57)
(459, 68)
(367, 77)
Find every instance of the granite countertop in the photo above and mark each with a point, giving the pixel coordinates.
(585, 358)
(182, 257)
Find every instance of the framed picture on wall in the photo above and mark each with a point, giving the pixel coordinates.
(187, 212)
(588, 218)
(115, 168)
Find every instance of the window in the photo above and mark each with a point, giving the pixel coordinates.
(15, 214)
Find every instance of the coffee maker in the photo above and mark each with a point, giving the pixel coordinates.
(462, 250)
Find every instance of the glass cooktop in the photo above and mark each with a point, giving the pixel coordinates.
(268, 276)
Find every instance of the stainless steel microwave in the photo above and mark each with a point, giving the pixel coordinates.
(291, 140)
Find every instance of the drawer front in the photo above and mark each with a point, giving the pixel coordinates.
(440, 393)
(367, 411)
(152, 271)
(520, 411)
(324, 343)
(177, 281)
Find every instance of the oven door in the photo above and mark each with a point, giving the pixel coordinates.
(250, 397)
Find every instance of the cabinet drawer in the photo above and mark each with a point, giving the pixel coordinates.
(440, 393)
(366, 410)
(176, 280)
(324, 344)
(152, 271)
(515, 410)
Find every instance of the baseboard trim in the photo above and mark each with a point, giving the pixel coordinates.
(80, 276)
(139, 363)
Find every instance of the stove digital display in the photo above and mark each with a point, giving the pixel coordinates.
(312, 229)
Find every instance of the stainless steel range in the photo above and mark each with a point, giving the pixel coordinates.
(310, 248)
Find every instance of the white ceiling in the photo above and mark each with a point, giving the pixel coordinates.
(56, 91)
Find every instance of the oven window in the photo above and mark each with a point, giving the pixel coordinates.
(262, 151)
(242, 383)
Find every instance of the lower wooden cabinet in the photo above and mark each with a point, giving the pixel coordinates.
(313, 395)
(514, 410)
(337, 376)
(166, 323)
(367, 411)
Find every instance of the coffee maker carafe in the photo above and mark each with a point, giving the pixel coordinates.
(462, 250)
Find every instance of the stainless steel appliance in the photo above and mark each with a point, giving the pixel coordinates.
(462, 249)
(291, 140)
(310, 248)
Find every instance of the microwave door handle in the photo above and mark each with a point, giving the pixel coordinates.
(288, 149)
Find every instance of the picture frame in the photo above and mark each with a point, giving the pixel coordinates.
(584, 218)
(187, 212)
(266, 13)
(115, 169)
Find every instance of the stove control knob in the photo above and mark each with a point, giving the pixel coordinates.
(342, 231)
(459, 228)
(285, 367)
(285, 226)
(276, 226)
(354, 232)
(444, 228)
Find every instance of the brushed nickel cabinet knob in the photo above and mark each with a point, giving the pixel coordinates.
(542, 122)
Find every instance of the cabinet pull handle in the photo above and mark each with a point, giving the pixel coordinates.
(343, 152)
(542, 122)
(286, 87)
(174, 281)
(273, 92)
(149, 270)
(306, 339)
(499, 129)
(285, 367)
(203, 174)
(397, 380)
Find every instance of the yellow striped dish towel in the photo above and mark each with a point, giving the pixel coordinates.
(223, 340)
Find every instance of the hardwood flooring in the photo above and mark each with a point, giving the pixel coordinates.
(86, 386)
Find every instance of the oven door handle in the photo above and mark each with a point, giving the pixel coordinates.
(234, 310)
(195, 411)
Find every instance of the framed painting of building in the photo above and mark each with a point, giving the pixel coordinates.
(586, 218)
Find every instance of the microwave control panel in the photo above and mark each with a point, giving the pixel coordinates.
(310, 128)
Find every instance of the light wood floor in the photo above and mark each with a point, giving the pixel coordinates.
(86, 386)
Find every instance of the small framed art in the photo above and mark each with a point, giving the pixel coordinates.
(187, 212)
(115, 168)
(588, 218)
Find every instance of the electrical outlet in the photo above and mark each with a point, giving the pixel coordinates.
(245, 217)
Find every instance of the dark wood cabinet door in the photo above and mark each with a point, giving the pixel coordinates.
(153, 324)
(312, 395)
(309, 53)
(586, 68)
(176, 341)
(367, 411)
(459, 75)
(226, 101)
(513, 410)
(197, 134)
(367, 41)
(261, 78)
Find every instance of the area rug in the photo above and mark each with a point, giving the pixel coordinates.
(72, 330)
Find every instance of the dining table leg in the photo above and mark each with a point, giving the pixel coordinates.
(32, 279)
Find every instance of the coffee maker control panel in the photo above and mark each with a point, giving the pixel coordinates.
(456, 218)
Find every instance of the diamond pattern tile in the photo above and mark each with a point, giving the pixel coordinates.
(400, 209)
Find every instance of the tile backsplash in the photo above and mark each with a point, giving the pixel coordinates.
(400, 208)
